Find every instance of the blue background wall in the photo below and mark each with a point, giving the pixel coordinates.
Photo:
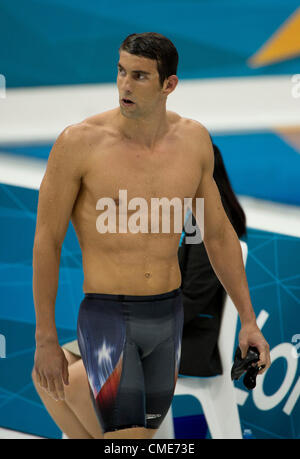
(60, 42)
(53, 42)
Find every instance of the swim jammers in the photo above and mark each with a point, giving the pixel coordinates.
(130, 346)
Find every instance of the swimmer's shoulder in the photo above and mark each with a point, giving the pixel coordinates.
(193, 127)
(76, 141)
(187, 125)
(91, 129)
(101, 120)
(196, 136)
(201, 139)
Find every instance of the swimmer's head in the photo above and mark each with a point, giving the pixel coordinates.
(146, 73)
(156, 47)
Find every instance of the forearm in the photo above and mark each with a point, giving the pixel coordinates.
(46, 258)
(225, 256)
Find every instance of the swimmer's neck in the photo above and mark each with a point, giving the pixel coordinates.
(145, 131)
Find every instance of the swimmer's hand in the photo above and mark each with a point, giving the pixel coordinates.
(51, 368)
(250, 335)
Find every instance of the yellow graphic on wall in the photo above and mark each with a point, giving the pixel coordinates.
(291, 135)
(284, 44)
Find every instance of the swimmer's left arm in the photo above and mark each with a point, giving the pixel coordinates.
(225, 254)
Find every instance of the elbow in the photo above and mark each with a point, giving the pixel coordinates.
(225, 235)
(216, 237)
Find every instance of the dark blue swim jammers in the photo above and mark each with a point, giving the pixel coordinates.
(130, 346)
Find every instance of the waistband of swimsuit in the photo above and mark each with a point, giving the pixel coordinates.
(112, 297)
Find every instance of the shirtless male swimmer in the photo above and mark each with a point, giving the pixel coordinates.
(130, 320)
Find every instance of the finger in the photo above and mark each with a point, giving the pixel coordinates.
(268, 358)
(264, 361)
(44, 382)
(37, 376)
(41, 380)
(262, 367)
(264, 356)
(59, 388)
(244, 349)
(52, 389)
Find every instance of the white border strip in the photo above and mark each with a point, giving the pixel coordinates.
(21, 171)
(271, 216)
(222, 105)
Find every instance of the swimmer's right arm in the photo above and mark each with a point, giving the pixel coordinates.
(58, 192)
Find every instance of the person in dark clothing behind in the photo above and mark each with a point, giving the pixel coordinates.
(203, 294)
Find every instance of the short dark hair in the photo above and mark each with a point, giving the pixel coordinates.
(153, 46)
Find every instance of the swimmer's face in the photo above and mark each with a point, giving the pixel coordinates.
(138, 81)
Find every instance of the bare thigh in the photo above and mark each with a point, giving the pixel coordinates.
(78, 396)
(61, 413)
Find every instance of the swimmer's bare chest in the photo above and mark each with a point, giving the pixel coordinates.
(123, 179)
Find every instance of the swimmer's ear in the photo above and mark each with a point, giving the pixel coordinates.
(170, 84)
